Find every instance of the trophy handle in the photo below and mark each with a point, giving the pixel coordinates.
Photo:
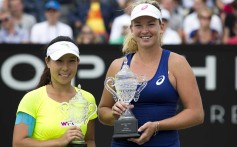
(142, 84)
(107, 80)
(93, 107)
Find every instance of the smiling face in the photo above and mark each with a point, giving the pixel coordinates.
(146, 31)
(63, 70)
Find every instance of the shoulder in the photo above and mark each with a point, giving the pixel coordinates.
(177, 60)
(29, 17)
(193, 33)
(21, 31)
(173, 33)
(117, 62)
(214, 31)
(216, 17)
(124, 17)
(39, 25)
(190, 17)
(31, 101)
(61, 24)
(34, 94)
(86, 93)
(178, 64)
(115, 66)
(88, 96)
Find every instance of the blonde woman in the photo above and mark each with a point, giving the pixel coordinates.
(170, 80)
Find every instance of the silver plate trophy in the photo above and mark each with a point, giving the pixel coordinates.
(78, 112)
(128, 87)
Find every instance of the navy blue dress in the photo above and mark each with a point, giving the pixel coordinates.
(157, 101)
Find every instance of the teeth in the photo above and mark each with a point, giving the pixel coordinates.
(64, 75)
(145, 37)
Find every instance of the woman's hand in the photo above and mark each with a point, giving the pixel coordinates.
(148, 129)
(119, 107)
(73, 133)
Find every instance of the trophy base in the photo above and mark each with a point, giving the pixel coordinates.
(77, 144)
(125, 128)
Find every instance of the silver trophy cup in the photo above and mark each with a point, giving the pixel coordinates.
(127, 88)
(78, 112)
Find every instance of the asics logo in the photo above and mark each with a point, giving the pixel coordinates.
(160, 80)
(144, 7)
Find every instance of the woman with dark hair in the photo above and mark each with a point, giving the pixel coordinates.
(40, 120)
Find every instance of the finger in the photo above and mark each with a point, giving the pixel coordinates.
(76, 134)
(73, 128)
(142, 128)
(130, 106)
(136, 140)
(116, 111)
(121, 106)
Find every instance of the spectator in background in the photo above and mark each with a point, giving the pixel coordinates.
(229, 23)
(65, 7)
(223, 7)
(233, 40)
(44, 32)
(3, 5)
(121, 3)
(87, 36)
(95, 13)
(189, 4)
(120, 24)
(191, 21)
(9, 33)
(170, 36)
(35, 8)
(177, 13)
(125, 30)
(22, 20)
(205, 34)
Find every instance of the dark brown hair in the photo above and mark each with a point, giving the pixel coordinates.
(46, 76)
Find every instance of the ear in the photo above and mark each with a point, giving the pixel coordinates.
(46, 59)
(161, 27)
(131, 30)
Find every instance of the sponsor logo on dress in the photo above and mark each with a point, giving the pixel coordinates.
(67, 123)
(160, 80)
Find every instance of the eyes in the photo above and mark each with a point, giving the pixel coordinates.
(149, 25)
(66, 61)
(70, 60)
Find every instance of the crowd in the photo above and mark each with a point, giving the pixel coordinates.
(107, 21)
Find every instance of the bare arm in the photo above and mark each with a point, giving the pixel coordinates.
(21, 139)
(186, 85)
(183, 79)
(90, 134)
(107, 101)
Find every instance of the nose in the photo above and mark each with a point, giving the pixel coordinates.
(144, 29)
(65, 66)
